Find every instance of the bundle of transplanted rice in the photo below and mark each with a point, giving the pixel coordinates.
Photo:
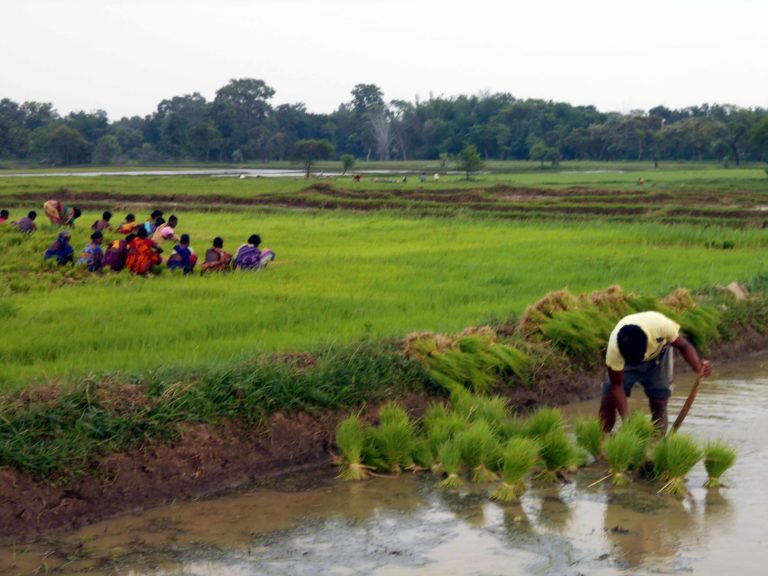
(450, 458)
(718, 458)
(479, 449)
(641, 424)
(440, 430)
(589, 435)
(518, 460)
(544, 421)
(623, 450)
(557, 453)
(422, 455)
(350, 438)
(393, 440)
(673, 458)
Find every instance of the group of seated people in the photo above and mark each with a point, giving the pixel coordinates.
(139, 246)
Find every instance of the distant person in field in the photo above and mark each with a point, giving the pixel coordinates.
(61, 249)
(151, 222)
(639, 352)
(92, 255)
(27, 224)
(61, 215)
(183, 257)
(129, 226)
(116, 253)
(215, 257)
(166, 231)
(103, 223)
(4, 215)
(142, 254)
(250, 257)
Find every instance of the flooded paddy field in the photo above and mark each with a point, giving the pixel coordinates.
(409, 525)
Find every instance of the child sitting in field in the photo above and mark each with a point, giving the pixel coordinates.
(250, 257)
(92, 255)
(103, 224)
(128, 226)
(215, 257)
(4, 215)
(61, 249)
(183, 258)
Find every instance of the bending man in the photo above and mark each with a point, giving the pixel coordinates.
(639, 353)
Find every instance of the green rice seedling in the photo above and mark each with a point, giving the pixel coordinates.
(544, 421)
(557, 454)
(718, 458)
(436, 411)
(441, 430)
(674, 456)
(589, 435)
(519, 458)
(422, 455)
(622, 450)
(394, 438)
(391, 413)
(350, 438)
(493, 410)
(450, 457)
(641, 424)
(479, 449)
(513, 426)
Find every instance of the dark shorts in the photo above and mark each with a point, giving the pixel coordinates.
(655, 376)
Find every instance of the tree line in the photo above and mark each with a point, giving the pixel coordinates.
(241, 125)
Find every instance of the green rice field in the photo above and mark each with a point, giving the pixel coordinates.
(339, 276)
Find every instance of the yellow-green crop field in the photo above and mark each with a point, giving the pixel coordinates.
(339, 276)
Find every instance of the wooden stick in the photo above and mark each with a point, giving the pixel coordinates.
(688, 402)
(603, 479)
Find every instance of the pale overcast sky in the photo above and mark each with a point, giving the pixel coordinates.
(125, 56)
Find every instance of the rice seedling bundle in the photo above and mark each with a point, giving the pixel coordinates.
(441, 430)
(394, 439)
(589, 435)
(479, 449)
(718, 458)
(641, 424)
(350, 438)
(422, 455)
(450, 457)
(544, 421)
(513, 426)
(557, 453)
(391, 413)
(623, 450)
(493, 410)
(673, 458)
(518, 460)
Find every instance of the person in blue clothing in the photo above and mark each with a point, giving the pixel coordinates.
(182, 258)
(61, 249)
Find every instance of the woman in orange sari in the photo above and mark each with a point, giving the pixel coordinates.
(142, 254)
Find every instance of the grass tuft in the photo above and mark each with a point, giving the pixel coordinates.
(718, 459)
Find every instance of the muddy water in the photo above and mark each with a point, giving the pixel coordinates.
(410, 526)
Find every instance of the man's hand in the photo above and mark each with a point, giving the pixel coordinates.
(705, 368)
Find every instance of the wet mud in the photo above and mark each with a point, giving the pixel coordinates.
(312, 524)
